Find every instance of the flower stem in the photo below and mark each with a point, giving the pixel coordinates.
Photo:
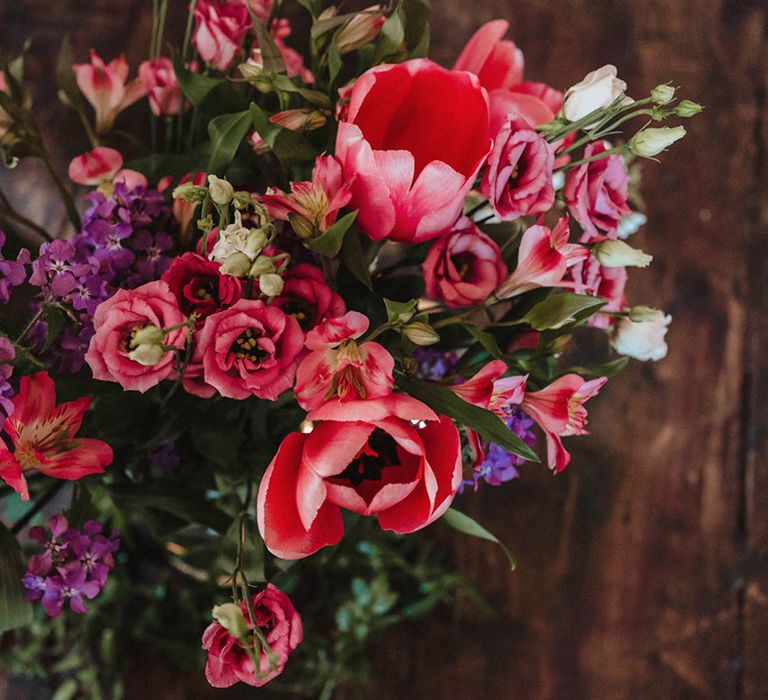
(65, 196)
(598, 156)
(7, 210)
(37, 506)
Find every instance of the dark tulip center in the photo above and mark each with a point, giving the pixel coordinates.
(378, 453)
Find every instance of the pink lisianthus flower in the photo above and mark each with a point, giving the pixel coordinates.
(590, 277)
(43, 437)
(250, 349)
(96, 166)
(559, 411)
(365, 456)
(163, 90)
(307, 297)
(415, 137)
(542, 260)
(311, 207)
(229, 662)
(220, 28)
(116, 351)
(518, 179)
(106, 89)
(596, 192)
(463, 267)
(339, 368)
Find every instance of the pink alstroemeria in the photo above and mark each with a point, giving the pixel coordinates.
(43, 437)
(489, 389)
(311, 207)
(97, 166)
(340, 368)
(542, 260)
(559, 411)
(106, 89)
(162, 88)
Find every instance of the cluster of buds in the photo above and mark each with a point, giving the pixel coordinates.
(405, 318)
(147, 346)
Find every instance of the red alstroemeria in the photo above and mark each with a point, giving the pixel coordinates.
(559, 411)
(542, 260)
(43, 437)
(106, 89)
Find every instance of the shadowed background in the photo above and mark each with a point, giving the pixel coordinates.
(643, 569)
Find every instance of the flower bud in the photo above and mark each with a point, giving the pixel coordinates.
(150, 335)
(147, 354)
(301, 226)
(663, 94)
(189, 192)
(271, 285)
(237, 265)
(253, 72)
(242, 200)
(231, 618)
(598, 90)
(262, 266)
(300, 119)
(360, 30)
(612, 253)
(420, 333)
(221, 190)
(686, 108)
(643, 341)
(640, 314)
(650, 142)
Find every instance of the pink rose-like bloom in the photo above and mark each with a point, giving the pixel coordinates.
(229, 663)
(596, 192)
(97, 166)
(463, 267)
(317, 202)
(220, 28)
(370, 457)
(116, 321)
(159, 81)
(590, 277)
(415, 137)
(518, 179)
(307, 297)
(339, 368)
(106, 89)
(250, 349)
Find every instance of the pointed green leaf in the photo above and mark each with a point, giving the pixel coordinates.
(353, 257)
(606, 369)
(329, 243)
(270, 55)
(289, 147)
(226, 132)
(463, 523)
(559, 310)
(14, 610)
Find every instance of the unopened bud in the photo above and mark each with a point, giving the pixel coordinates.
(642, 314)
(221, 190)
(242, 200)
(300, 119)
(271, 285)
(262, 266)
(301, 226)
(236, 265)
(359, 31)
(612, 253)
(650, 142)
(420, 333)
(147, 354)
(686, 108)
(231, 618)
(663, 94)
(189, 192)
(148, 335)
(253, 72)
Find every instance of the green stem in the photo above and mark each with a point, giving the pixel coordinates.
(29, 326)
(8, 211)
(188, 32)
(605, 131)
(37, 506)
(598, 156)
(66, 198)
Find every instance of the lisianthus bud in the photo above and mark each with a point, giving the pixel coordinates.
(231, 618)
(686, 108)
(271, 285)
(147, 354)
(301, 226)
(150, 334)
(643, 341)
(242, 200)
(420, 333)
(263, 265)
(360, 30)
(640, 314)
(663, 94)
(612, 253)
(221, 190)
(598, 90)
(650, 142)
(253, 72)
(237, 265)
(189, 192)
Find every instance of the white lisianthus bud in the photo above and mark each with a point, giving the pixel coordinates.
(263, 265)
(221, 190)
(663, 94)
(149, 335)
(189, 192)
(147, 345)
(271, 285)
(147, 355)
(420, 333)
(612, 253)
(686, 108)
(650, 142)
(236, 265)
(598, 90)
(231, 618)
(643, 340)
(640, 314)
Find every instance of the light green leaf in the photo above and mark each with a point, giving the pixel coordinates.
(329, 243)
(392, 36)
(463, 523)
(226, 133)
(559, 310)
(14, 610)
(606, 369)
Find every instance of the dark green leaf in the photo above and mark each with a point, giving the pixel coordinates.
(559, 310)
(326, 25)
(65, 76)
(226, 133)
(285, 84)
(270, 55)
(253, 550)
(606, 369)
(312, 6)
(14, 610)
(54, 319)
(391, 38)
(463, 523)
(400, 311)
(353, 257)
(416, 14)
(488, 341)
(213, 96)
(329, 243)
(335, 63)
(289, 147)
(486, 423)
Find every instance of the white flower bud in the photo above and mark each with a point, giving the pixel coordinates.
(221, 190)
(598, 90)
(420, 333)
(630, 224)
(643, 340)
(231, 618)
(237, 265)
(650, 142)
(271, 284)
(612, 253)
(147, 354)
(686, 109)
(663, 94)
(150, 335)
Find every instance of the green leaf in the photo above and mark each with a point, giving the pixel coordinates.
(329, 243)
(353, 257)
(486, 423)
(335, 62)
(14, 610)
(488, 341)
(213, 96)
(226, 133)
(463, 523)
(312, 6)
(606, 369)
(326, 25)
(54, 319)
(65, 76)
(270, 55)
(288, 146)
(400, 311)
(416, 14)
(284, 84)
(392, 36)
(559, 310)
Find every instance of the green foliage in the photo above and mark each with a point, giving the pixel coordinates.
(14, 610)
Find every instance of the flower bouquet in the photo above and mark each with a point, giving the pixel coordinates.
(302, 303)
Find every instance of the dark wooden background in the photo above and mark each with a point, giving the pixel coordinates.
(643, 569)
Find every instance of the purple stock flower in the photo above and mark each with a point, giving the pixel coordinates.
(70, 585)
(7, 354)
(435, 365)
(12, 272)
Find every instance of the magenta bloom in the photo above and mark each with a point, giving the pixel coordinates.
(518, 180)
(415, 137)
(229, 663)
(463, 267)
(159, 81)
(12, 272)
(220, 28)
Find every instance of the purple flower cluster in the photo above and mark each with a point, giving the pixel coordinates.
(7, 353)
(435, 365)
(72, 566)
(499, 465)
(122, 245)
(12, 272)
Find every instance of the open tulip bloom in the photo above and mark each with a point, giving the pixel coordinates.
(325, 305)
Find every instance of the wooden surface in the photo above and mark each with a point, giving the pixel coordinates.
(643, 569)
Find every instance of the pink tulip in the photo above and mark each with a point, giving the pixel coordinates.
(543, 259)
(160, 84)
(105, 88)
(497, 63)
(97, 166)
(220, 28)
(415, 137)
